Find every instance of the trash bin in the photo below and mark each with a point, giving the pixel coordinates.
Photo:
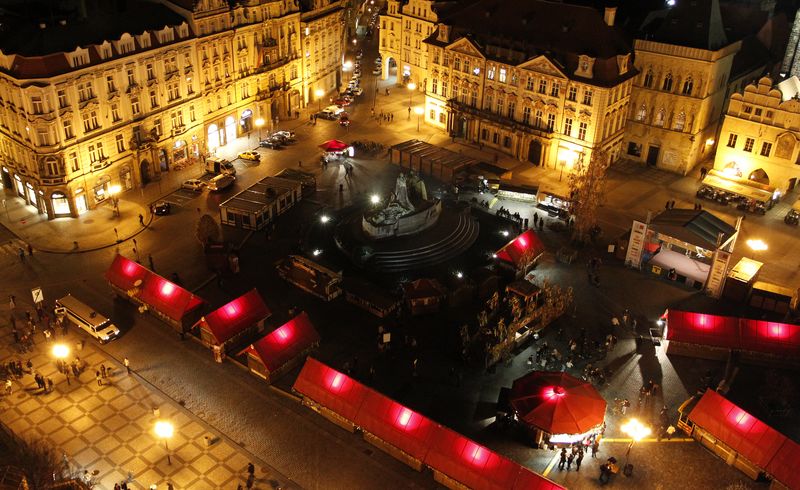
(207, 440)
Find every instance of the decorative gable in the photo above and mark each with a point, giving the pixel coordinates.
(443, 34)
(467, 47)
(541, 64)
(585, 67)
(79, 57)
(623, 63)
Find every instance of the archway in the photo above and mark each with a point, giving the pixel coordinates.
(535, 152)
(144, 170)
(760, 176)
(163, 159)
(214, 137)
(246, 121)
(390, 70)
(230, 129)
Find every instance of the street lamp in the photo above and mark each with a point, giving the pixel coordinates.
(259, 125)
(411, 87)
(164, 430)
(61, 352)
(757, 245)
(324, 219)
(374, 199)
(114, 191)
(418, 111)
(636, 431)
(318, 94)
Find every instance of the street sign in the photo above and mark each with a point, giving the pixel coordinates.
(38, 295)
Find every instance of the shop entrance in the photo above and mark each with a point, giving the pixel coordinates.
(144, 169)
(60, 205)
(652, 155)
(230, 129)
(535, 152)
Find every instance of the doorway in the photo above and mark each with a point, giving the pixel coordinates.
(535, 152)
(144, 169)
(652, 155)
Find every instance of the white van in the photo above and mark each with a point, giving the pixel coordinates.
(216, 165)
(94, 323)
(220, 182)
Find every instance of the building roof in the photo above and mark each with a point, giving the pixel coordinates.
(285, 342)
(124, 273)
(423, 288)
(239, 314)
(690, 23)
(168, 298)
(21, 34)
(328, 387)
(699, 228)
(527, 245)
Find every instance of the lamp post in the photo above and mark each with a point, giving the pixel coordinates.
(114, 191)
(164, 430)
(259, 125)
(318, 94)
(757, 245)
(411, 87)
(60, 352)
(636, 431)
(418, 111)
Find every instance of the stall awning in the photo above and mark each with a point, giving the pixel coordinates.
(703, 329)
(783, 466)
(168, 298)
(334, 145)
(285, 342)
(527, 244)
(771, 337)
(124, 273)
(738, 187)
(401, 427)
(748, 436)
(699, 228)
(230, 319)
(333, 390)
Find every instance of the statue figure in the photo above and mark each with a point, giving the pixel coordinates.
(401, 193)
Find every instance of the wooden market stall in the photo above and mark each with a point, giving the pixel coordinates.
(370, 297)
(424, 296)
(261, 203)
(311, 276)
(279, 351)
(521, 254)
(222, 327)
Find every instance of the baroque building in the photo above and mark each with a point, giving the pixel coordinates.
(544, 82)
(111, 95)
(760, 136)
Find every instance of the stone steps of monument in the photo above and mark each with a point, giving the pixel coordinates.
(456, 243)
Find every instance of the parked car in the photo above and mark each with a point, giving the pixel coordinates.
(193, 185)
(219, 166)
(161, 208)
(271, 143)
(250, 155)
(220, 182)
(344, 119)
(327, 114)
(286, 134)
(357, 91)
(88, 319)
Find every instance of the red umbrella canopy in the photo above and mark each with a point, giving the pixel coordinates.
(334, 145)
(557, 402)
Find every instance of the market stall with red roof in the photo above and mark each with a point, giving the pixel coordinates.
(280, 350)
(521, 253)
(333, 394)
(744, 441)
(220, 328)
(164, 299)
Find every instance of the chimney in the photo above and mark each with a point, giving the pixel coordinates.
(609, 15)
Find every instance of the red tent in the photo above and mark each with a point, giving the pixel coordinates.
(230, 319)
(527, 244)
(330, 388)
(470, 463)
(771, 337)
(168, 298)
(284, 343)
(124, 273)
(750, 437)
(334, 145)
(783, 466)
(391, 422)
(557, 403)
(699, 328)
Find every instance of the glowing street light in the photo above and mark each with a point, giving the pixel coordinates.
(324, 218)
(418, 111)
(374, 199)
(164, 430)
(318, 94)
(411, 87)
(259, 125)
(757, 245)
(114, 190)
(636, 431)
(317, 252)
(60, 351)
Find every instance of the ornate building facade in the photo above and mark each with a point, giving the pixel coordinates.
(760, 136)
(541, 81)
(159, 85)
(404, 28)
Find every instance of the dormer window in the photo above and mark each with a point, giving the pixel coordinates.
(77, 58)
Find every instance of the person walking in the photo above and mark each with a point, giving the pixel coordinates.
(21, 254)
(570, 459)
(12, 302)
(251, 469)
(98, 378)
(150, 261)
(141, 219)
(103, 371)
(595, 447)
(49, 385)
(251, 479)
(30, 250)
(579, 460)
(127, 364)
(8, 387)
(562, 458)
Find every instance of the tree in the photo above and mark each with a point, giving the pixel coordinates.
(39, 462)
(586, 193)
(207, 230)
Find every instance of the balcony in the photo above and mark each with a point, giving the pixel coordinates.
(499, 119)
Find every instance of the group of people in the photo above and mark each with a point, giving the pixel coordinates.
(574, 455)
(386, 117)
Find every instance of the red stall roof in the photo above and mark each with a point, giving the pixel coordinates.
(528, 480)
(747, 435)
(330, 388)
(124, 272)
(468, 462)
(167, 297)
(401, 427)
(700, 328)
(232, 318)
(526, 243)
(772, 337)
(784, 465)
(285, 342)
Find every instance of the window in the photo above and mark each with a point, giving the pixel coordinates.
(507, 141)
(748, 144)
(529, 84)
(542, 86)
(191, 113)
(660, 116)
(44, 136)
(554, 89)
(446, 60)
(68, 132)
(587, 97)
(748, 109)
(500, 103)
(503, 75)
(687, 86)
(582, 130)
(436, 57)
(526, 115)
(131, 77)
(667, 85)
(732, 140)
(85, 91)
(641, 114)
(432, 115)
(512, 109)
(466, 66)
(153, 99)
(769, 114)
(110, 84)
(568, 126)
(457, 64)
(89, 121)
(96, 152)
(174, 92)
(484, 134)
(551, 122)
(634, 149)
(177, 119)
(648, 79)
(490, 73)
(766, 148)
(73, 162)
(442, 118)
(135, 109)
(115, 113)
(758, 111)
(62, 99)
(37, 105)
(120, 143)
(157, 127)
(151, 74)
(495, 138)
(680, 121)
(537, 120)
(473, 98)
(572, 94)
(444, 88)
(434, 85)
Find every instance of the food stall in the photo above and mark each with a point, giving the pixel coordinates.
(221, 328)
(554, 198)
(279, 351)
(521, 254)
(745, 194)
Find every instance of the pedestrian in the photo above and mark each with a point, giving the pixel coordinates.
(21, 254)
(103, 371)
(666, 206)
(300, 163)
(595, 447)
(391, 117)
(127, 364)
(30, 249)
(562, 458)
(409, 112)
(98, 378)
(8, 387)
(12, 303)
(49, 385)
(75, 371)
(150, 261)
(117, 487)
(670, 431)
(251, 469)
(570, 459)
(169, 484)
(47, 335)
(141, 219)
(251, 479)
(578, 460)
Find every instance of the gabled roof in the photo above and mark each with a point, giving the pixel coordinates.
(333, 390)
(239, 314)
(423, 288)
(526, 244)
(285, 342)
(167, 297)
(124, 272)
(699, 228)
(690, 23)
(703, 329)
(783, 466)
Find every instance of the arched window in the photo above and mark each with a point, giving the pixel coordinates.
(687, 86)
(667, 86)
(648, 79)
(641, 115)
(660, 116)
(680, 121)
